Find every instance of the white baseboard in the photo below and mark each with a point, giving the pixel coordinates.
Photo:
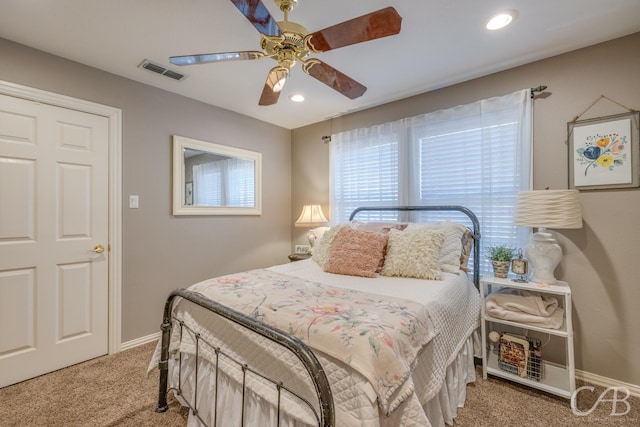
(140, 341)
(607, 382)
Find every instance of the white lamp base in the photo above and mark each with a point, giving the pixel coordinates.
(544, 255)
(313, 235)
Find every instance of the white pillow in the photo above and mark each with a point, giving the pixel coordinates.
(451, 249)
(322, 248)
(414, 253)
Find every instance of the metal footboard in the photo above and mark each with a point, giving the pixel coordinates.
(325, 416)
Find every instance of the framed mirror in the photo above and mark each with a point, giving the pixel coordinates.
(212, 179)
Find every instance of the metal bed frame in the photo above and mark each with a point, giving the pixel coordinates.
(326, 414)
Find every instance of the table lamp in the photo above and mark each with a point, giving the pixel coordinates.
(311, 217)
(547, 209)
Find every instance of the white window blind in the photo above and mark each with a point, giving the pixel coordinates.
(477, 155)
(227, 182)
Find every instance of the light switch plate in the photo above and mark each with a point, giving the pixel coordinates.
(133, 201)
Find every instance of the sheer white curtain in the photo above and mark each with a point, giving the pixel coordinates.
(365, 169)
(476, 155)
(208, 184)
(227, 182)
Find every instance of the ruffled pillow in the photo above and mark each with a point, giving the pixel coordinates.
(414, 253)
(356, 253)
(451, 250)
(322, 248)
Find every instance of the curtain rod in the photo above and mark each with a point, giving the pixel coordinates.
(537, 89)
(327, 138)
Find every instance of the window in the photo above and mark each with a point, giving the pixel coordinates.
(477, 155)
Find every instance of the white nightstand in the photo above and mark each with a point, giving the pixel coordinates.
(557, 378)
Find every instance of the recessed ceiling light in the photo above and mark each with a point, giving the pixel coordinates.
(296, 97)
(501, 20)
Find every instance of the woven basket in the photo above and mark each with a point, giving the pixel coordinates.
(500, 269)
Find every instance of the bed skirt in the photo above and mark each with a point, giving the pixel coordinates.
(437, 412)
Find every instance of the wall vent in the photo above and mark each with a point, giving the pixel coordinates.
(159, 69)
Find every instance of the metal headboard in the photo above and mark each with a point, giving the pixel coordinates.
(466, 211)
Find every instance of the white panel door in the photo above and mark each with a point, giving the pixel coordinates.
(53, 224)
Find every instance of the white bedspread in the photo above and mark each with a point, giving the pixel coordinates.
(453, 306)
(380, 336)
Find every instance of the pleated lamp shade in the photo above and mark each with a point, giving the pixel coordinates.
(549, 209)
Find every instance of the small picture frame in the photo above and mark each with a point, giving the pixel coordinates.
(604, 152)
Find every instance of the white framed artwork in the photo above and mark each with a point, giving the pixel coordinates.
(603, 152)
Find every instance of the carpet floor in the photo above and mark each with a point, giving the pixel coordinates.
(115, 391)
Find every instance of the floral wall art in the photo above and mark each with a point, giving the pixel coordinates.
(603, 152)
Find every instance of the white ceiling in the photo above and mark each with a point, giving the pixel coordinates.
(441, 43)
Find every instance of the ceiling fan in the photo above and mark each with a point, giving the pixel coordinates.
(288, 43)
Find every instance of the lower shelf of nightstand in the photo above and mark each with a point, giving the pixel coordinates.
(556, 378)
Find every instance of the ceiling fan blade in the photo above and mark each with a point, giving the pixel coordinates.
(215, 57)
(334, 78)
(259, 16)
(382, 23)
(273, 86)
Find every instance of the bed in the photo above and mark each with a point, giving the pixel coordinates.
(333, 340)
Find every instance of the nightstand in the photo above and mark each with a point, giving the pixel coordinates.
(298, 256)
(553, 377)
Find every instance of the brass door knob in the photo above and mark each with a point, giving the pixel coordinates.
(98, 249)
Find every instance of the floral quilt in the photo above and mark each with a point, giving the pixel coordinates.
(379, 336)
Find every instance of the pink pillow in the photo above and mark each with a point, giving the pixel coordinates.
(356, 253)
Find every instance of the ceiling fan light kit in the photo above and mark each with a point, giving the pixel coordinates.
(288, 43)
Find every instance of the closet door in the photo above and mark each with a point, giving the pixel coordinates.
(54, 259)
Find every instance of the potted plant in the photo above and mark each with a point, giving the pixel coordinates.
(500, 257)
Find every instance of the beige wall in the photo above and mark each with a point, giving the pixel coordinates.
(601, 259)
(162, 252)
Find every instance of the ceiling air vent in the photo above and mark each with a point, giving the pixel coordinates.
(159, 69)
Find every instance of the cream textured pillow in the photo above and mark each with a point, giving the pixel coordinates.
(356, 253)
(322, 248)
(451, 250)
(414, 253)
